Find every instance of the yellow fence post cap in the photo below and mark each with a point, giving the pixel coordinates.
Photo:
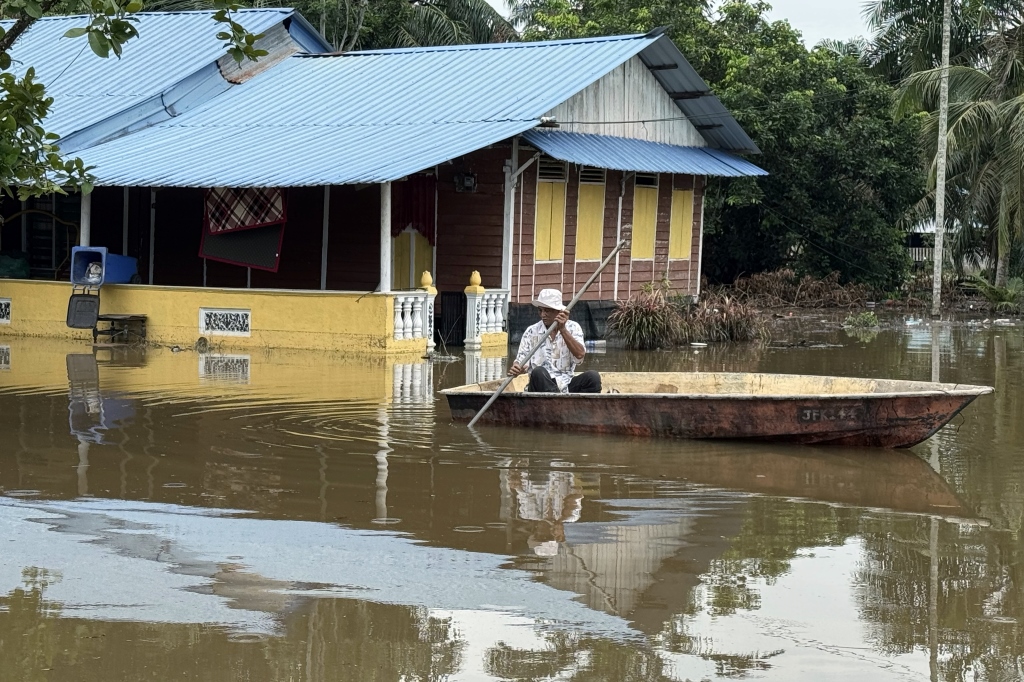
(474, 284)
(427, 283)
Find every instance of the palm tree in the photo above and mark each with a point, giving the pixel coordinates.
(378, 24)
(907, 34)
(452, 22)
(985, 138)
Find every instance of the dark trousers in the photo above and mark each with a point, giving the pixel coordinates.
(541, 382)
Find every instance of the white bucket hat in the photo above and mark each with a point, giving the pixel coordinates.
(549, 298)
(549, 548)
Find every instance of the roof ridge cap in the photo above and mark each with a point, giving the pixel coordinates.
(487, 46)
(243, 10)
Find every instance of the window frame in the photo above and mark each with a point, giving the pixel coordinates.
(548, 164)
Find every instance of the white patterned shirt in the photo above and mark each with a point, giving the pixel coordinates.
(554, 356)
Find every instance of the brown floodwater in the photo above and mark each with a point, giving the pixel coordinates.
(295, 516)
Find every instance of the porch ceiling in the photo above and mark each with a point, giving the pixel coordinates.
(626, 154)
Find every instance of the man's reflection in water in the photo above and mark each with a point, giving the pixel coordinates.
(548, 499)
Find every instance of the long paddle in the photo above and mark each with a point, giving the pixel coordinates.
(551, 327)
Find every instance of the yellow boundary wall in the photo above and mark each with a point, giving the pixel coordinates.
(276, 376)
(328, 321)
(494, 345)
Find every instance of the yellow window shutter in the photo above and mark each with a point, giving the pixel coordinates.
(400, 261)
(424, 259)
(590, 222)
(557, 245)
(645, 221)
(680, 238)
(542, 231)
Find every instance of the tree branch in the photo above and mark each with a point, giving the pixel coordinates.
(21, 25)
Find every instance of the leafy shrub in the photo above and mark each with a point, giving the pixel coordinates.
(864, 320)
(1002, 299)
(720, 317)
(917, 291)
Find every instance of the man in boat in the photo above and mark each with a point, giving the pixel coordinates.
(552, 368)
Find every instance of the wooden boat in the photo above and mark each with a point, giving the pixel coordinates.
(768, 407)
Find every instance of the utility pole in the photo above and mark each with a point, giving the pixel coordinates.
(940, 162)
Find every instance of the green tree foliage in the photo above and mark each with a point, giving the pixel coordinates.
(842, 172)
(376, 24)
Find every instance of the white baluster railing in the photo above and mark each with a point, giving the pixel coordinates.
(411, 315)
(413, 383)
(495, 303)
(480, 369)
(428, 319)
(493, 368)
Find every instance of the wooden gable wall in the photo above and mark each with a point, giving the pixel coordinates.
(622, 100)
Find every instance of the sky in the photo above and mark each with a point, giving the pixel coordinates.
(819, 19)
(816, 19)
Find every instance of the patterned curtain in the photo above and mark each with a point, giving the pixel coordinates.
(414, 202)
(231, 209)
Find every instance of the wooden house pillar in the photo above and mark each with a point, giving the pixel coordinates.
(511, 175)
(85, 222)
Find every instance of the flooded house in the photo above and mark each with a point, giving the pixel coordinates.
(366, 201)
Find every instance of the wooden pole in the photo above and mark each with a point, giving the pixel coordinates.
(575, 299)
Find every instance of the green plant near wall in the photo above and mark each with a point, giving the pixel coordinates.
(649, 320)
(1006, 299)
(655, 318)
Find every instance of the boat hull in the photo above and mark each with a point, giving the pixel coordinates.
(885, 420)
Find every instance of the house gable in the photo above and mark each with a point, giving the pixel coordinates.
(631, 94)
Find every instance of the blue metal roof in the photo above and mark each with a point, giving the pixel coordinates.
(361, 116)
(376, 116)
(172, 46)
(625, 154)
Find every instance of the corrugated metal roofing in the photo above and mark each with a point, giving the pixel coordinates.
(620, 153)
(366, 117)
(87, 89)
(361, 116)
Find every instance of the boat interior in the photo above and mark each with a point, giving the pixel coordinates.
(746, 384)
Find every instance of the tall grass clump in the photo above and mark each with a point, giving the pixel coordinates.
(655, 318)
(720, 317)
(647, 321)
